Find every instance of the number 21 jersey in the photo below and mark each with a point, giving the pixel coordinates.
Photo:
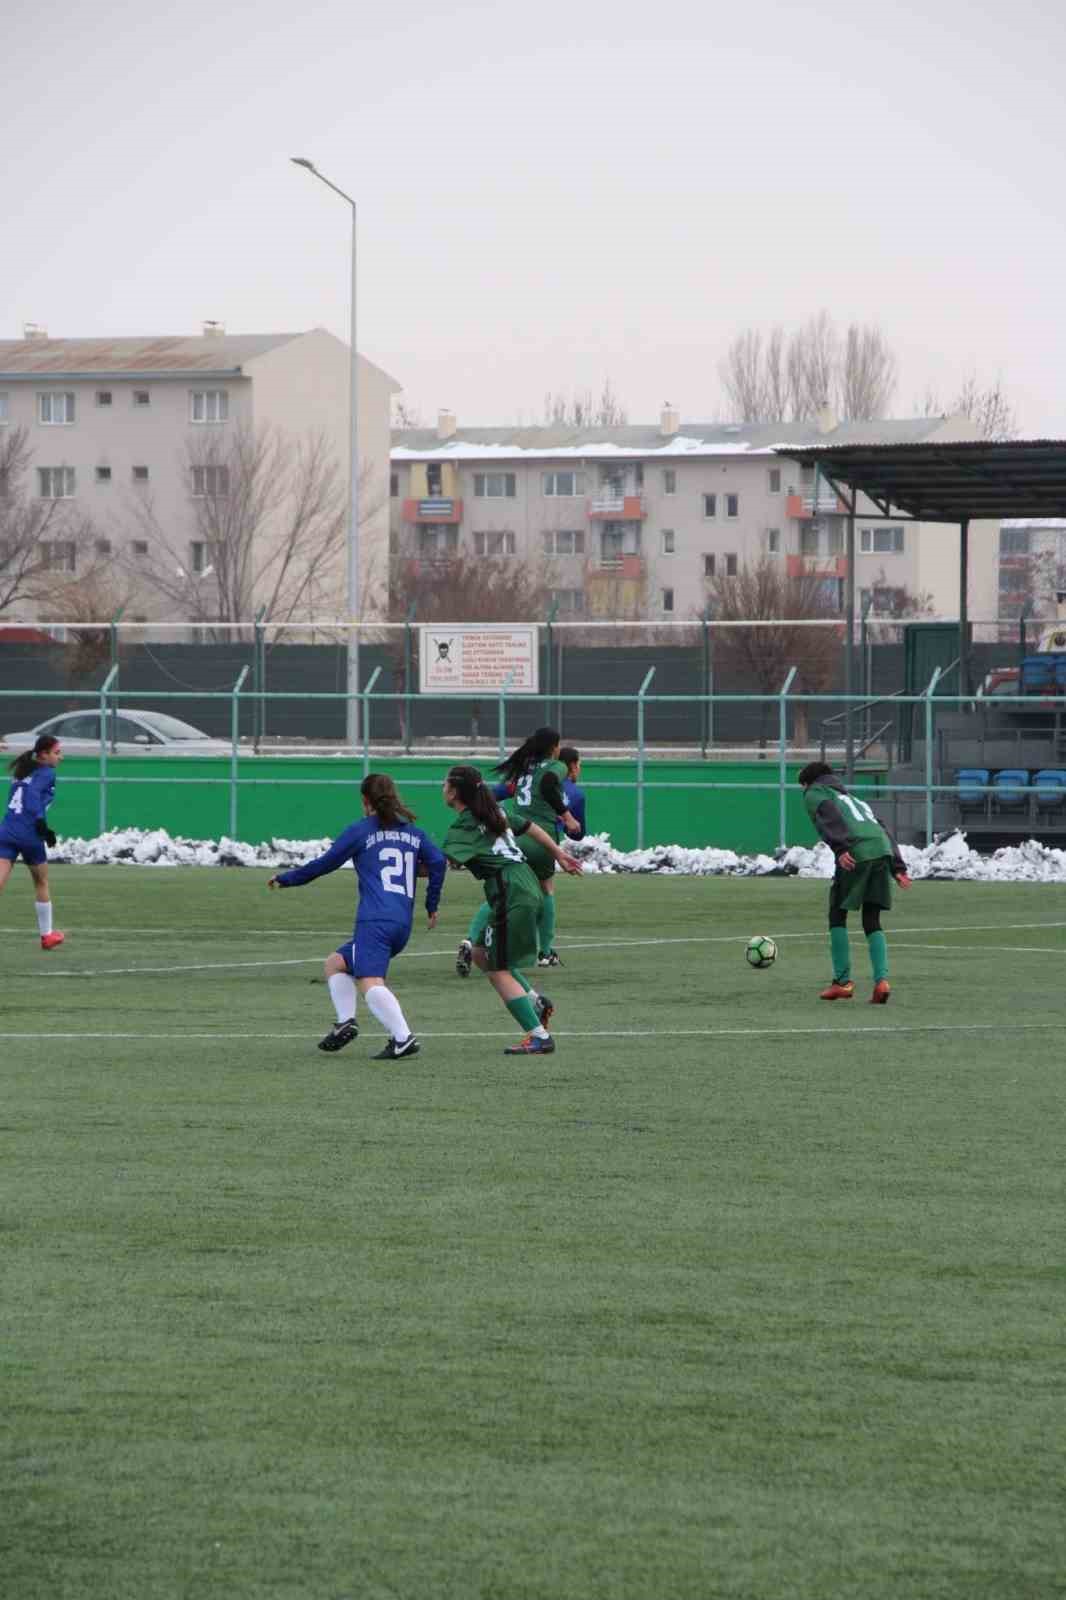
(386, 862)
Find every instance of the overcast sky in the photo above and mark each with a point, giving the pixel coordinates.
(548, 193)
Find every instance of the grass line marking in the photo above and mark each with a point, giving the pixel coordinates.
(617, 1033)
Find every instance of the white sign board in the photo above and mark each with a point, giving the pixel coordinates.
(478, 658)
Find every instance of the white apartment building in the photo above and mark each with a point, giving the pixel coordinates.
(633, 521)
(112, 424)
(1032, 568)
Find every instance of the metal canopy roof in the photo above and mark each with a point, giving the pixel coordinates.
(949, 482)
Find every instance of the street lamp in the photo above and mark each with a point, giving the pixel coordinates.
(352, 701)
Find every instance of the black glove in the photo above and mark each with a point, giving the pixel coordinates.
(44, 832)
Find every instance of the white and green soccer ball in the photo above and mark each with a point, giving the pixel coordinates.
(761, 951)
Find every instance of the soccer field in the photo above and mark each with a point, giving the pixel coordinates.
(739, 1294)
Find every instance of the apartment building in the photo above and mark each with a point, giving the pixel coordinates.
(636, 521)
(1032, 568)
(113, 425)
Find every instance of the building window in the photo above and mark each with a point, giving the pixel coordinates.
(668, 600)
(773, 541)
(668, 541)
(103, 547)
(565, 542)
(139, 547)
(436, 543)
(203, 557)
(140, 474)
(1014, 541)
(568, 602)
(773, 479)
(55, 483)
(103, 474)
(669, 481)
(5, 415)
(638, 474)
(731, 565)
(208, 405)
(394, 485)
(709, 565)
(434, 480)
(809, 537)
(732, 505)
(209, 482)
(55, 407)
(59, 555)
(103, 397)
(141, 398)
(494, 544)
(710, 505)
(881, 541)
(494, 485)
(563, 485)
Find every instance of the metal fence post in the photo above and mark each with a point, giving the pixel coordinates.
(113, 635)
(782, 769)
(641, 692)
(408, 668)
(104, 691)
(235, 734)
(259, 668)
(549, 675)
(929, 756)
(374, 676)
(501, 718)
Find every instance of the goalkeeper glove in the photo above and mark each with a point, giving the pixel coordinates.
(44, 832)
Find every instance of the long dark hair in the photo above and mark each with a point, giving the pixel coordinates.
(24, 764)
(379, 791)
(529, 752)
(478, 799)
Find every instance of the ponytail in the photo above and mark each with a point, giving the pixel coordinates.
(529, 752)
(380, 793)
(478, 799)
(25, 764)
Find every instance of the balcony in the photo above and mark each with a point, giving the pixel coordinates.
(822, 566)
(435, 509)
(618, 566)
(610, 507)
(802, 506)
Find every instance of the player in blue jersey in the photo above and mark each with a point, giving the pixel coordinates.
(388, 853)
(574, 796)
(24, 829)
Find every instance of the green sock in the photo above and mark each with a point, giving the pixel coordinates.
(518, 978)
(546, 923)
(840, 950)
(479, 922)
(524, 1013)
(877, 945)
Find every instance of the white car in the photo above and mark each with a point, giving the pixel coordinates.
(131, 732)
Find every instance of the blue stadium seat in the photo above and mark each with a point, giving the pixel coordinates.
(1049, 786)
(1038, 673)
(1011, 787)
(973, 788)
(1060, 673)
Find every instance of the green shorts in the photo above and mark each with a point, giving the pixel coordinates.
(542, 861)
(510, 937)
(869, 883)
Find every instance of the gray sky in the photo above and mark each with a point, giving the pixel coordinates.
(548, 193)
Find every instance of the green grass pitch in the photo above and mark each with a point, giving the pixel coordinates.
(739, 1294)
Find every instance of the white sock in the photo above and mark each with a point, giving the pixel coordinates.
(342, 993)
(44, 916)
(385, 1006)
(541, 1032)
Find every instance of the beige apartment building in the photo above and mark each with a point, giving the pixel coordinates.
(632, 522)
(115, 425)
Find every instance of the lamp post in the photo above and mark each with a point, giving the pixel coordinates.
(352, 699)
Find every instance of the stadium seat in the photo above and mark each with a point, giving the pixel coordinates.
(1011, 787)
(1060, 673)
(1038, 673)
(973, 788)
(1049, 786)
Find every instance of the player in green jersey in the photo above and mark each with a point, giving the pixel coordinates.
(868, 862)
(482, 839)
(532, 779)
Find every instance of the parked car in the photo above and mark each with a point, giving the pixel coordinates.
(133, 733)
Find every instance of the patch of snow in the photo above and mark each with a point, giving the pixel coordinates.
(679, 445)
(947, 858)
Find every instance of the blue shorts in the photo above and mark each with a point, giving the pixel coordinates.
(32, 852)
(368, 953)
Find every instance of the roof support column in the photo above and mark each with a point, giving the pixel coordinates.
(964, 606)
(849, 644)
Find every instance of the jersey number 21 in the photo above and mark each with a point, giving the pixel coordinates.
(398, 871)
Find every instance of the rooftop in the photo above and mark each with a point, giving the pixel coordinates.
(222, 352)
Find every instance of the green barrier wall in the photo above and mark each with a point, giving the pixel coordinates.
(289, 798)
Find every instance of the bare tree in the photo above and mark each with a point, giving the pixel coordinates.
(42, 539)
(405, 415)
(868, 373)
(581, 411)
(813, 366)
(743, 372)
(268, 520)
(761, 657)
(985, 403)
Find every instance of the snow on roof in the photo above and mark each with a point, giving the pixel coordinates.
(679, 445)
(1034, 522)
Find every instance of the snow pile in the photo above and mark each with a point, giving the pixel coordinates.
(948, 858)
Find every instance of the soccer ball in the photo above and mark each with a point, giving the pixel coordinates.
(761, 951)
